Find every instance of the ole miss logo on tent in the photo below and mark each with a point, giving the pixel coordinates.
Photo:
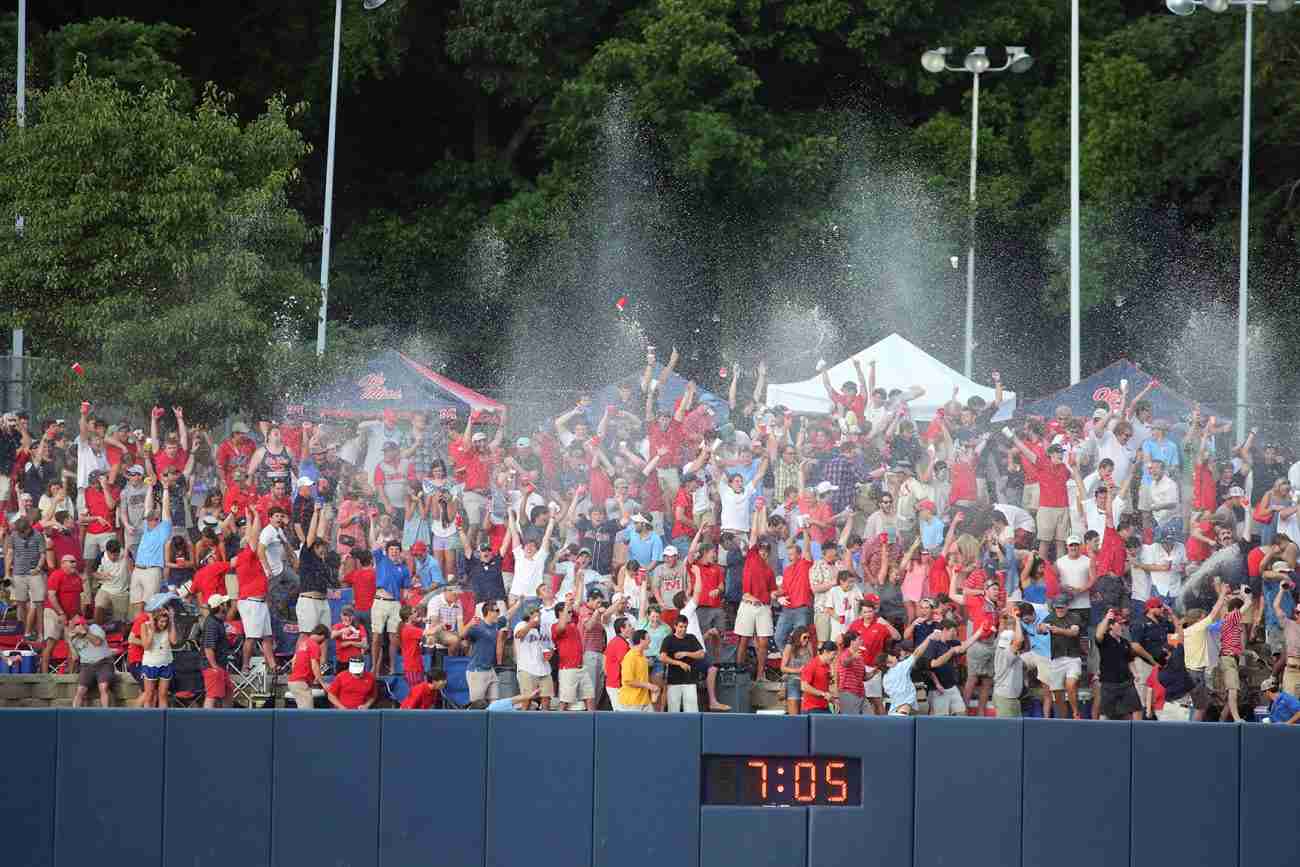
(373, 388)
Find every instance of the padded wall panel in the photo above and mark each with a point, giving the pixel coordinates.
(540, 791)
(1270, 777)
(1185, 781)
(647, 815)
(752, 735)
(1076, 768)
(883, 824)
(109, 787)
(27, 797)
(967, 788)
(753, 836)
(217, 779)
(434, 787)
(327, 780)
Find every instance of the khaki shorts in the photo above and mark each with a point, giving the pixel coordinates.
(1006, 707)
(1062, 669)
(946, 703)
(1031, 497)
(1291, 676)
(979, 660)
(118, 603)
(53, 625)
(29, 588)
(1053, 524)
(1041, 666)
(145, 581)
(482, 685)
(575, 685)
(754, 619)
(822, 622)
(255, 617)
(1230, 672)
(93, 545)
(474, 504)
(529, 682)
(385, 616)
(874, 688)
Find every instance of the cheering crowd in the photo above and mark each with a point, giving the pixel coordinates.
(626, 555)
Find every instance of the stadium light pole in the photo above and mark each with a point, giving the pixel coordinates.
(976, 63)
(1187, 7)
(16, 351)
(1076, 341)
(329, 174)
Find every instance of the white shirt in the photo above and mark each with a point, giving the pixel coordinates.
(1122, 455)
(88, 462)
(1017, 519)
(1141, 432)
(276, 544)
(1164, 491)
(845, 605)
(1074, 576)
(376, 435)
(528, 651)
(1293, 476)
(1165, 583)
(528, 573)
(1096, 521)
(692, 620)
(735, 507)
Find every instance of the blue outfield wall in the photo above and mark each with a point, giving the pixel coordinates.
(397, 788)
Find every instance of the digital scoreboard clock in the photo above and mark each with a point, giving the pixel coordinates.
(782, 781)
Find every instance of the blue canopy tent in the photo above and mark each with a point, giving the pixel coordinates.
(392, 381)
(1103, 389)
(673, 389)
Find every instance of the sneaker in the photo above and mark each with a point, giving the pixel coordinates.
(30, 636)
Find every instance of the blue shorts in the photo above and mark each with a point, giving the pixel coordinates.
(137, 671)
(658, 669)
(158, 672)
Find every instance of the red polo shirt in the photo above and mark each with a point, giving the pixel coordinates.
(66, 586)
(351, 691)
(1051, 484)
(710, 580)
(796, 584)
(758, 579)
(470, 460)
(97, 507)
(1112, 559)
(614, 653)
(817, 674)
(252, 578)
(874, 637)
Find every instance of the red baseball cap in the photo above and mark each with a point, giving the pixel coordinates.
(390, 417)
(871, 599)
(1153, 603)
(419, 548)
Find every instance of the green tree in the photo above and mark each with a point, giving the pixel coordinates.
(159, 249)
(131, 53)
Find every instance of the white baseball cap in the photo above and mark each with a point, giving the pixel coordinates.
(826, 487)
(670, 551)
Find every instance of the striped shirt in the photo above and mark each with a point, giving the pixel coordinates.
(1230, 634)
(27, 552)
(852, 673)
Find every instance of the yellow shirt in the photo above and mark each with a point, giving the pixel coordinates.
(635, 668)
(1194, 644)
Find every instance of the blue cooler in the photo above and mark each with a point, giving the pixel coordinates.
(27, 665)
(457, 684)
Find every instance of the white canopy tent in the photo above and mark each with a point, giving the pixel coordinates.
(899, 364)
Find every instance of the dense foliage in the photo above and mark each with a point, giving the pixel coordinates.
(779, 172)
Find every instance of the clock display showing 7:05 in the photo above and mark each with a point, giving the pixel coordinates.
(782, 781)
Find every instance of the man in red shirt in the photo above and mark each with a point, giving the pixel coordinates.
(1112, 559)
(349, 637)
(815, 680)
(411, 638)
(853, 395)
(240, 496)
(362, 581)
(234, 453)
(1230, 652)
(684, 511)
(796, 591)
(707, 575)
(277, 496)
(424, 695)
(575, 686)
(254, 615)
(876, 633)
(1052, 474)
(470, 454)
(353, 689)
(305, 672)
(754, 617)
(615, 650)
(173, 454)
(62, 603)
(101, 505)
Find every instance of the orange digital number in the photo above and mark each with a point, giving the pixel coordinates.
(799, 768)
(840, 787)
(762, 776)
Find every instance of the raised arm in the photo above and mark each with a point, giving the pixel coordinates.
(184, 431)
(760, 386)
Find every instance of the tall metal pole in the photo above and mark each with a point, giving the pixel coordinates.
(970, 252)
(1075, 349)
(329, 186)
(16, 351)
(1243, 293)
